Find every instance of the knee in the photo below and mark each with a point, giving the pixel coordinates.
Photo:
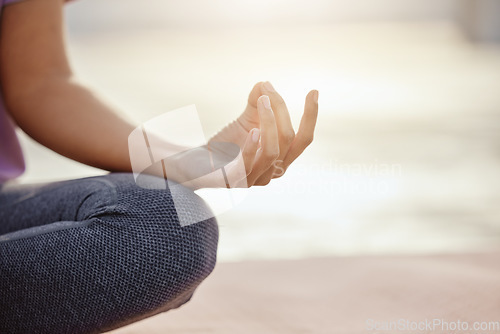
(173, 258)
(193, 249)
(164, 265)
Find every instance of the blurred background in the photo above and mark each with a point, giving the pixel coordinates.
(406, 157)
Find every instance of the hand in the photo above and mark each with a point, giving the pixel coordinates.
(258, 146)
(265, 134)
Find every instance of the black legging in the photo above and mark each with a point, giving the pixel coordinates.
(94, 254)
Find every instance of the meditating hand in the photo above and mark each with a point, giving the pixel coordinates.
(265, 134)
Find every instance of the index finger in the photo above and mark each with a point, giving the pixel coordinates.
(283, 121)
(269, 150)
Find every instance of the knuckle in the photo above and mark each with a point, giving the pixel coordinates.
(278, 172)
(307, 140)
(288, 137)
(250, 180)
(263, 182)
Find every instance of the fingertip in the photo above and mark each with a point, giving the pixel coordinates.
(255, 93)
(265, 102)
(268, 87)
(313, 95)
(258, 86)
(252, 140)
(250, 149)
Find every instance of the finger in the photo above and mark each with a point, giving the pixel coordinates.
(249, 118)
(269, 150)
(305, 134)
(250, 150)
(238, 171)
(283, 121)
(285, 132)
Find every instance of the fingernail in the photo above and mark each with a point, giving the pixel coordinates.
(315, 96)
(266, 101)
(255, 135)
(269, 87)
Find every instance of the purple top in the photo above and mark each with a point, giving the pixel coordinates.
(11, 156)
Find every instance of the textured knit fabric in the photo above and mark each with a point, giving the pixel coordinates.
(89, 255)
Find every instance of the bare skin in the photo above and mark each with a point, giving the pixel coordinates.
(47, 102)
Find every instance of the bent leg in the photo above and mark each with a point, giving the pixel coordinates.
(115, 255)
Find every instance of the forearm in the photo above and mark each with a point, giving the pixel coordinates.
(68, 118)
